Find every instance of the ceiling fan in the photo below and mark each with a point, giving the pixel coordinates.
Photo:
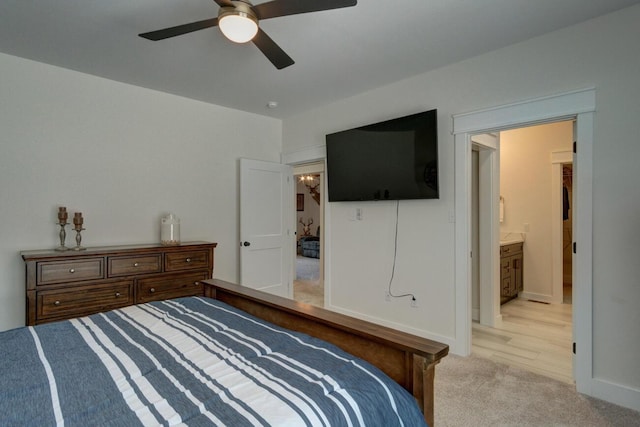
(238, 21)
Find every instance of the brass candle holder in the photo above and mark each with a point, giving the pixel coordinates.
(77, 226)
(62, 222)
(63, 236)
(78, 247)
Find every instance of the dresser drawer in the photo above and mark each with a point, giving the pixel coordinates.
(83, 300)
(187, 260)
(131, 265)
(170, 286)
(70, 271)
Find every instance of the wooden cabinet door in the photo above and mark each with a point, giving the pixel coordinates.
(505, 277)
(513, 291)
(511, 279)
(517, 273)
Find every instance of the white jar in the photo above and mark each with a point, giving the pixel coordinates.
(170, 230)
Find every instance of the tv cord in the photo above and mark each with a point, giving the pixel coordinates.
(395, 253)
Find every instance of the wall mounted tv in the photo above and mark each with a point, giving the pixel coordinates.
(392, 160)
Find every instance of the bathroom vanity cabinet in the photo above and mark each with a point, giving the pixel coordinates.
(511, 257)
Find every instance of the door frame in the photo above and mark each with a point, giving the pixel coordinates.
(578, 105)
(316, 167)
(488, 145)
(317, 154)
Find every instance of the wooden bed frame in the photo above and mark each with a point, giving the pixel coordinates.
(408, 359)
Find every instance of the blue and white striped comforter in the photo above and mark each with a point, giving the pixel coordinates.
(188, 361)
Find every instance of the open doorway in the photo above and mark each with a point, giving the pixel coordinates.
(579, 105)
(532, 328)
(308, 283)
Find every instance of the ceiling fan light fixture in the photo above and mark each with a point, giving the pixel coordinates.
(238, 24)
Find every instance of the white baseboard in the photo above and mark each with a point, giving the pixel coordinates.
(615, 393)
(537, 297)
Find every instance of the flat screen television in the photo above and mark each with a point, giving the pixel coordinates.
(392, 160)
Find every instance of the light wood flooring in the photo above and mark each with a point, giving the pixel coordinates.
(532, 336)
(309, 291)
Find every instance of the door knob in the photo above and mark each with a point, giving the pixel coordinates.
(246, 243)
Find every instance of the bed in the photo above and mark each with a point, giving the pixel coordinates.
(224, 358)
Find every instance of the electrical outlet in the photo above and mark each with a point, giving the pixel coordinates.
(387, 296)
(414, 303)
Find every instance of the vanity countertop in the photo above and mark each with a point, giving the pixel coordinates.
(511, 238)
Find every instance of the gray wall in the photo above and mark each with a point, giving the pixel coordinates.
(123, 156)
(601, 53)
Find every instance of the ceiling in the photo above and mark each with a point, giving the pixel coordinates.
(337, 53)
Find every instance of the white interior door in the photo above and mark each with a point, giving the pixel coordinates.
(266, 204)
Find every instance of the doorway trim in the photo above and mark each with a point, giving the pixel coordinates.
(314, 168)
(578, 105)
(317, 154)
(488, 231)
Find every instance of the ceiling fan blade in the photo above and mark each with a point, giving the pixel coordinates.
(224, 3)
(271, 50)
(179, 30)
(277, 8)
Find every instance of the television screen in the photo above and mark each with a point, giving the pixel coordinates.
(392, 160)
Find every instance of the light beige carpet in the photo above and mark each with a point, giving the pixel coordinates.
(473, 391)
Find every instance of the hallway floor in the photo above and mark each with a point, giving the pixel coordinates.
(309, 291)
(532, 336)
(307, 287)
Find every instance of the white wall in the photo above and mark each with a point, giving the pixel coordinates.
(525, 184)
(122, 156)
(601, 53)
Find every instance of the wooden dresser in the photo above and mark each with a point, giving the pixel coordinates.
(62, 285)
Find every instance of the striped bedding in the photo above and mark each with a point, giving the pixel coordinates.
(189, 361)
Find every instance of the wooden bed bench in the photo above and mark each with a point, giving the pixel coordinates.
(408, 359)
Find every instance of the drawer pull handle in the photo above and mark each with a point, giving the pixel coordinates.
(188, 259)
(135, 264)
(57, 302)
(196, 283)
(152, 290)
(117, 294)
(72, 270)
(506, 251)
